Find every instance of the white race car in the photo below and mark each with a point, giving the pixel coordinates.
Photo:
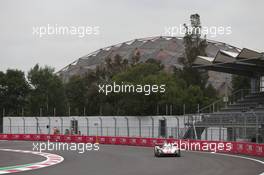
(166, 149)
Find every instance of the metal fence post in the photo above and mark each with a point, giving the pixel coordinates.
(87, 126)
(152, 126)
(194, 127)
(115, 123)
(49, 124)
(178, 127)
(127, 121)
(166, 128)
(245, 126)
(139, 126)
(61, 119)
(257, 130)
(220, 128)
(24, 123)
(256, 125)
(10, 125)
(220, 133)
(211, 134)
(37, 125)
(101, 125)
(206, 133)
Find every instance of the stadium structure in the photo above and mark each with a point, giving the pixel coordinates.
(168, 50)
(238, 116)
(243, 114)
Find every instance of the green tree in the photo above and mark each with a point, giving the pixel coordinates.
(147, 74)
(47, 92)
(194, 46)
(76, 92)
(14, 90)
(195, 79)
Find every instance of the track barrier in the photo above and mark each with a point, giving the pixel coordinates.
(244, 148)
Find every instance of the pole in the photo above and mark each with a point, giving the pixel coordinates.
(152, 126)
(10, 125)
(127, 121)
(257, 131)
(37, 125)
(195, 133)
(115, 125)
(139, 125)
(61, 124)
(24, 123)
(49, 124)
(101, 125)
(87, 125)
(178, 127)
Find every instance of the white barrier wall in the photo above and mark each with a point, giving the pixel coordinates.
(95, 125)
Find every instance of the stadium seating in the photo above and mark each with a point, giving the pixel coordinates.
(247, 112)
(250, 102)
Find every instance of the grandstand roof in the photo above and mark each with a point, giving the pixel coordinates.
(247, 62)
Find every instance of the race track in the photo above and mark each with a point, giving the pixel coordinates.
(129, 160)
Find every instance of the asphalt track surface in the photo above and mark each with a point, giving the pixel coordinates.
(129, 160)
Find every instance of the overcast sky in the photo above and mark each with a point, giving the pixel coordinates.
(118, 21)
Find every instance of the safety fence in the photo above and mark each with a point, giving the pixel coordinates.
(251, 149)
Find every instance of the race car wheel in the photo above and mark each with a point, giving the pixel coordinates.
(156, 153)
(178, 154)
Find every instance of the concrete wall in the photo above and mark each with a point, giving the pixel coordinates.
(95, 125)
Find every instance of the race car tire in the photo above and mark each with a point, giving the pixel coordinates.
(156, 153)
(178, 154)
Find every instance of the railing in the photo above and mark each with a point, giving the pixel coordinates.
(224, 101)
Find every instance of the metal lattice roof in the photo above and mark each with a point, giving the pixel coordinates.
(247, 62)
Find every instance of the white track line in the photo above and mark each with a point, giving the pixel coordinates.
(242, 157)
(231, 155)
(51, 159)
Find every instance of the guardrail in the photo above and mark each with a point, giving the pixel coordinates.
(251, 149)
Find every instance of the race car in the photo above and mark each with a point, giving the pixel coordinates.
(166, 149)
